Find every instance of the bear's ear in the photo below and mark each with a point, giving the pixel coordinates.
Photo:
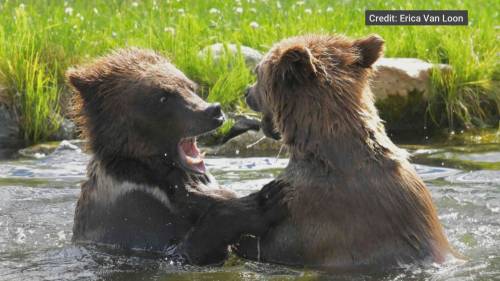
(370, 49)
(84, 83)
(296, 65)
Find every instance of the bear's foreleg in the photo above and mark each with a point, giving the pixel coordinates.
(207, 242)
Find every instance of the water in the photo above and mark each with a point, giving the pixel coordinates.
(37, 200)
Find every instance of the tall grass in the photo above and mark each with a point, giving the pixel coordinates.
(31, 83)
(58, 34)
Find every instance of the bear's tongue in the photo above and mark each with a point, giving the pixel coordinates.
(190, 155)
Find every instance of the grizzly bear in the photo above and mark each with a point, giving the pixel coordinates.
(354, 201)
(147, 183)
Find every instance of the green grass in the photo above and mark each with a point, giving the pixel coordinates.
(32, 85)
(40, 39)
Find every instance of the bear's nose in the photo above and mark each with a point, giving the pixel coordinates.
(214, 110)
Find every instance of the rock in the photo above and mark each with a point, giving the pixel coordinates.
(242, 124)
(67, 145)
(252, 56)
(401, 89)
(67, 131)
(38, 150)
(10, 140)
(400, 76)
(250, 143)
(43, 149)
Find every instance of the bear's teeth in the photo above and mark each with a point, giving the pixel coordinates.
(193, 161)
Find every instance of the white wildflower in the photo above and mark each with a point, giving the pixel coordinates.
(253, 10)
(181, 11)
(214, 11)
(68, 11)
(254, 25)
(308, 11)
(329, 9)
(278, 5)
(135, 4)
(22, 6)
(239, 10)
(96, 11)
(300, 3)
(170, 30)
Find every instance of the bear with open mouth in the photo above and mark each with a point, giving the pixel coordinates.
(147, 183)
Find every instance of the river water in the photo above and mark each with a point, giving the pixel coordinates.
(38, 196)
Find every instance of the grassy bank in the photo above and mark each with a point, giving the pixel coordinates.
(40, 39)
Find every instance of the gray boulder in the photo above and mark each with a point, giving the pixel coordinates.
(43, 149)
(242, 124)
(67, 130)
(401, 76)
(10, 139)
(252, 56)
(249, 143)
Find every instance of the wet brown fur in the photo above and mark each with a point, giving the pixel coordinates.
(354, 201)
(109, 82)
(134, 108)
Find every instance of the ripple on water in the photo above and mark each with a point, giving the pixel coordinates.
(481, 177)
(431, 173)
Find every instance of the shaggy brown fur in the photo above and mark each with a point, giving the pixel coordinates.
(110, 86)
(354, 199)
(147, 186)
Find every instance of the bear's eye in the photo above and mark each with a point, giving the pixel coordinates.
(163, 99)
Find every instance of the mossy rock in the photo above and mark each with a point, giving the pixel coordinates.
(404, 114)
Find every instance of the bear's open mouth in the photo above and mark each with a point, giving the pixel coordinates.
(190, 156)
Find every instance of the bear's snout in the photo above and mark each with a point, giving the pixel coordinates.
(214, 110)
(214, 113)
